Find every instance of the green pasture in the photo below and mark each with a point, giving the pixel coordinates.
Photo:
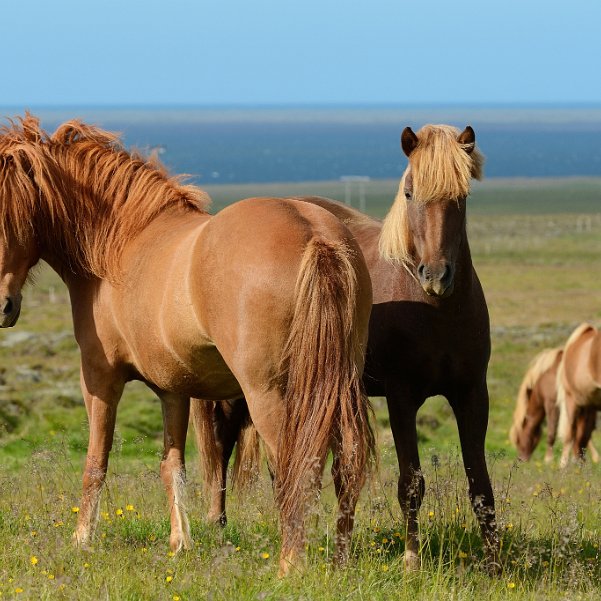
(537, 248)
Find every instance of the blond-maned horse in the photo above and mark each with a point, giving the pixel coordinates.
(537, 400)
(269, 299)
(579, 390)
(429, 327)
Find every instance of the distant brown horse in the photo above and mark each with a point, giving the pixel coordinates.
(269, 299)
(429, 328)
(537, 399)
(579, 390)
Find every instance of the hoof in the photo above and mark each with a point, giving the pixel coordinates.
(81, 541)
(217, 519)
(411, 561)
(292, 563)
(179, 542)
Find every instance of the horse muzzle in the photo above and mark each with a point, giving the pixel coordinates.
(437, 280)
(10, 309)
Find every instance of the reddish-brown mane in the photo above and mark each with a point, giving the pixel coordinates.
(81, 182)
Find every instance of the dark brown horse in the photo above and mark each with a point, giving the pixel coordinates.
(537, 400)
(579, 391)
(429, 328)
(269, 299)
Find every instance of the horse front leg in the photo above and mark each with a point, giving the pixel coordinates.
(411, 486)
(471, 412)
(101, 393)
(176, 412)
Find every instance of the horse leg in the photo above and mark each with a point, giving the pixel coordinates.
(585, 424)
(552, 411)
(267, 413)
(567, 427)
(471, 412)
(176, 411)
(228, 419)
(101, 393)
(411, 486)
(347, 493)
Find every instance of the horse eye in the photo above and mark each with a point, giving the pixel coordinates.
(408, 195)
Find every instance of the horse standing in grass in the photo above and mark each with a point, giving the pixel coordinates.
(579, 390)
(537, 399)
(270, 299)
(429, 328)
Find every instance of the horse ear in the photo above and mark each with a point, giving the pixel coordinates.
(467, 139)
(408, 141)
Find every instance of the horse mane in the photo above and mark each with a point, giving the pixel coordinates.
(441, 169)
(81, 193)
(563, 428)
(537, 367)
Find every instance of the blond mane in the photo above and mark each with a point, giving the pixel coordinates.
(537, 367)
(81, 193)
(440, 169)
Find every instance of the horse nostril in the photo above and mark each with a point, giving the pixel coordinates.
(446, 276)
(421, 270)
(8, 306)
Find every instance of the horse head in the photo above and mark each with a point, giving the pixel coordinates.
(17, 257)
(426, 225)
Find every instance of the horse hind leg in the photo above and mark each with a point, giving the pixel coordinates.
(226, 419)
(347, 492)
(176, 409)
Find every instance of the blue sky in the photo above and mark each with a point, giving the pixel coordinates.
(264, 52)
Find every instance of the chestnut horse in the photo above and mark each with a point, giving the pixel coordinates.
(269, 299)
(429, 328)
(537, 399)
(579, 390)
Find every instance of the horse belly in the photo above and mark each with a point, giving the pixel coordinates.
(198, 371)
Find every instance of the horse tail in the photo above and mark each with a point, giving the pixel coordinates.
(320, 375)
(537, 367)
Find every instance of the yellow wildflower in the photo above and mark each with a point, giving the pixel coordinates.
(75, 509)
(462, 554)
(169, 578)
(33, 560)
(129, 507)
(265, 555)
(511, 585)
(119, 512)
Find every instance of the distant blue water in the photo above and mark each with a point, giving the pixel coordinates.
(229, 147)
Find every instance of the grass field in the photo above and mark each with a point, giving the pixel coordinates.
(537, 248)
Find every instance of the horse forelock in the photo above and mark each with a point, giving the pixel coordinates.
(85, 195)
(441, 169)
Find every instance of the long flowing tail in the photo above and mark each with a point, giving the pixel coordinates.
(320, 372)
